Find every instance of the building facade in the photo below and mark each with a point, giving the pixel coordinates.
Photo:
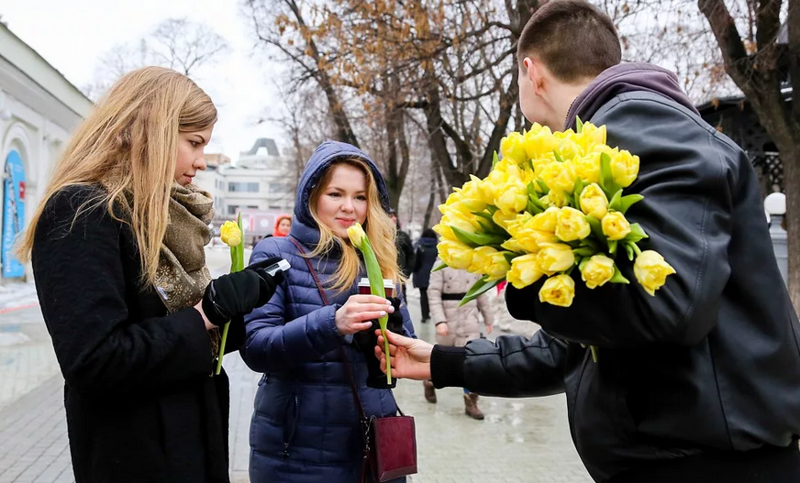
(39, 109)
(258, 186)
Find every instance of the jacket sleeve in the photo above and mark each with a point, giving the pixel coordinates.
(435, 286)
(274, 344)
(82, 290)
(687, 181)
(511, 366)
(485, 307)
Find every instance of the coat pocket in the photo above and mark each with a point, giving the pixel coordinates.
(290, 423)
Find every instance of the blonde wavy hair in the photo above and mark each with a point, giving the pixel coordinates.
(380, 229)
(129, 146)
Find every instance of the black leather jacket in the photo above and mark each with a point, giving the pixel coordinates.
(712, 362)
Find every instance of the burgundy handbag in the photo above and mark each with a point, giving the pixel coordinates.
(390, 443)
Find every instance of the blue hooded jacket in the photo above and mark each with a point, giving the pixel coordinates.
(305, 427)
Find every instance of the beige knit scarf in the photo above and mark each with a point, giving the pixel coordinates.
(182, 275)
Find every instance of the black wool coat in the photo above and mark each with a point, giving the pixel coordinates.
(141, 405)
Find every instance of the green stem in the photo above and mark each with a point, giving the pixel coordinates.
(222, 347)
(636, 249)
(594, 353)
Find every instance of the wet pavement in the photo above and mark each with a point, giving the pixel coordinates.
(521, 440)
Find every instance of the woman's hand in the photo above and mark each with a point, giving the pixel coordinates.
(359, 311)
(199, 308)
(411, 358)
(441, 328)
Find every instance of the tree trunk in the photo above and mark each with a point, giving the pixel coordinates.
(790, 157)
(426, 223)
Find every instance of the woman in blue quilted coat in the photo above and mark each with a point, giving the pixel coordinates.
(305, 427)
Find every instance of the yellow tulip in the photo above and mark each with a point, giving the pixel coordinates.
(455, 254)
(624, 168)
(592, 136)
(496, 267)
(356, 235)
(492, 185)
(230, 234)
(555, 257)
(532, 240)
(651, 270)
(598, 134)
(555, 199)
(547, 221)
(568, 149)
(543, 160)
(524, 271)
(558, 290)
(594, 202)
(512, 199)
(512, 224)
(513, 147)
(539, 141)
(558, 176)
(480, 258)
(572, 225)
(512, 245)
(587, 168)
(597, 271)
(615, 226)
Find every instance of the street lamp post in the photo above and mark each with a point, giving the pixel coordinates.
(775, 206)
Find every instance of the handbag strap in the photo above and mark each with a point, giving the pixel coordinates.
(313, 272)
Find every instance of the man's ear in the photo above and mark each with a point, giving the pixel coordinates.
(535, 74)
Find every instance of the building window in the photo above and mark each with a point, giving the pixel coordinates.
(242, 187)
(278, 188)
(232, 209)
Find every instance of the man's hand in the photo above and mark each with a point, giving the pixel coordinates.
(410, 358)
(441, 328)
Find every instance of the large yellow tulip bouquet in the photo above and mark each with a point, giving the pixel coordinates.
(554, 202)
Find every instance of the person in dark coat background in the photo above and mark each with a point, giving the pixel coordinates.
(117, 247)
(305, 427)
(697, 384)
(405, 251)
(424, 258)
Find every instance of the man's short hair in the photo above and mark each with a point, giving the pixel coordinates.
(573, 38)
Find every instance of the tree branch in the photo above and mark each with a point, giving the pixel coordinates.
(723, 26)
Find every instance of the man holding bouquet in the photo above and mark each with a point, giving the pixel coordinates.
(699, 382)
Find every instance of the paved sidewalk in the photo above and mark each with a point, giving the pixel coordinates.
(521, 440)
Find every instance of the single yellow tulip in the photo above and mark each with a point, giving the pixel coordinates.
(558, 290)
(524, 271)
(572, 225)
(597, 271)
(652, 270)
(594, 201)
(615, 226)
(230, 234)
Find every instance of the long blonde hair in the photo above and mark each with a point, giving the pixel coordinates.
(129, 145)
(380, 229)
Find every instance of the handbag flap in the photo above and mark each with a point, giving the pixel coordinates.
(395, 442)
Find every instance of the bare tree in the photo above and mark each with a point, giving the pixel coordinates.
(175, 43)
(758, 61)
(185, 46)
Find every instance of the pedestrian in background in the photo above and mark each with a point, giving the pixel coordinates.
(425, 256)
(117, 248)
(283, 225)
(405, 251)
(455, 326)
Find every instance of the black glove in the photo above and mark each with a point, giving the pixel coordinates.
(366, 340)
(237, 294)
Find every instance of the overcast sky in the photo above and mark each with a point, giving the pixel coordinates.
(72, 35)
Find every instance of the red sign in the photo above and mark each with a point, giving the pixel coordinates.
(22, 190)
